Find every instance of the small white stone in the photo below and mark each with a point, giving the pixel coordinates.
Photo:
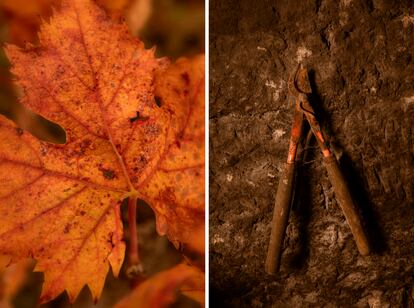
(407, 102)
(271, 84)
(407, 20)
(277, 88)
(217, 239)
(302, 53)
(330, 236)
(345, 3)
(277, 133)
(374, 301)
(250, 183)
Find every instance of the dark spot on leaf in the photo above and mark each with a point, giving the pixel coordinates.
(109, 239)
(180, 135)
(158, 101)
(152, 130)
(168, 197)
(67, 229)
(138, 117)
(82, 213)
(19, 131)
(83, 146)
(108, 174)
(43, 149)
(186, 78)
(140, 162)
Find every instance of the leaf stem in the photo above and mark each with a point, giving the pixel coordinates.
(132, 220)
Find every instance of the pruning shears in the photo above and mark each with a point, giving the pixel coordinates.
(299, 88)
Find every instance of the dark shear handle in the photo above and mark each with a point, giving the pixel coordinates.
(280, 218)
(347, 205)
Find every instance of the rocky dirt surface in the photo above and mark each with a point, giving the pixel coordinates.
(360, 54)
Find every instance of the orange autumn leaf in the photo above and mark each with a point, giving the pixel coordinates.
(193, 287)
(184, 160)
(161, 290)
(60, 204)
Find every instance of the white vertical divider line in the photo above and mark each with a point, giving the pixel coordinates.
(206, 47)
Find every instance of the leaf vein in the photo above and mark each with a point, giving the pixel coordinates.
(26, 185)
(121, 81)
(55, 207)
(181, 168)
(70, 114)
(84, 241)
(62, 175)
(75, 74)
(178, 136)
(100, 104)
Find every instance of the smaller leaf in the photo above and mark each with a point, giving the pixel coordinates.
(161, 289)
(194, 286)
(175, 189)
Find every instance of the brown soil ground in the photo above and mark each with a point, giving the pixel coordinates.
(360, 55)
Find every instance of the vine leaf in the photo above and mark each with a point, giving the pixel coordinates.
(160, 290)
(178, 179)
(60, 204)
